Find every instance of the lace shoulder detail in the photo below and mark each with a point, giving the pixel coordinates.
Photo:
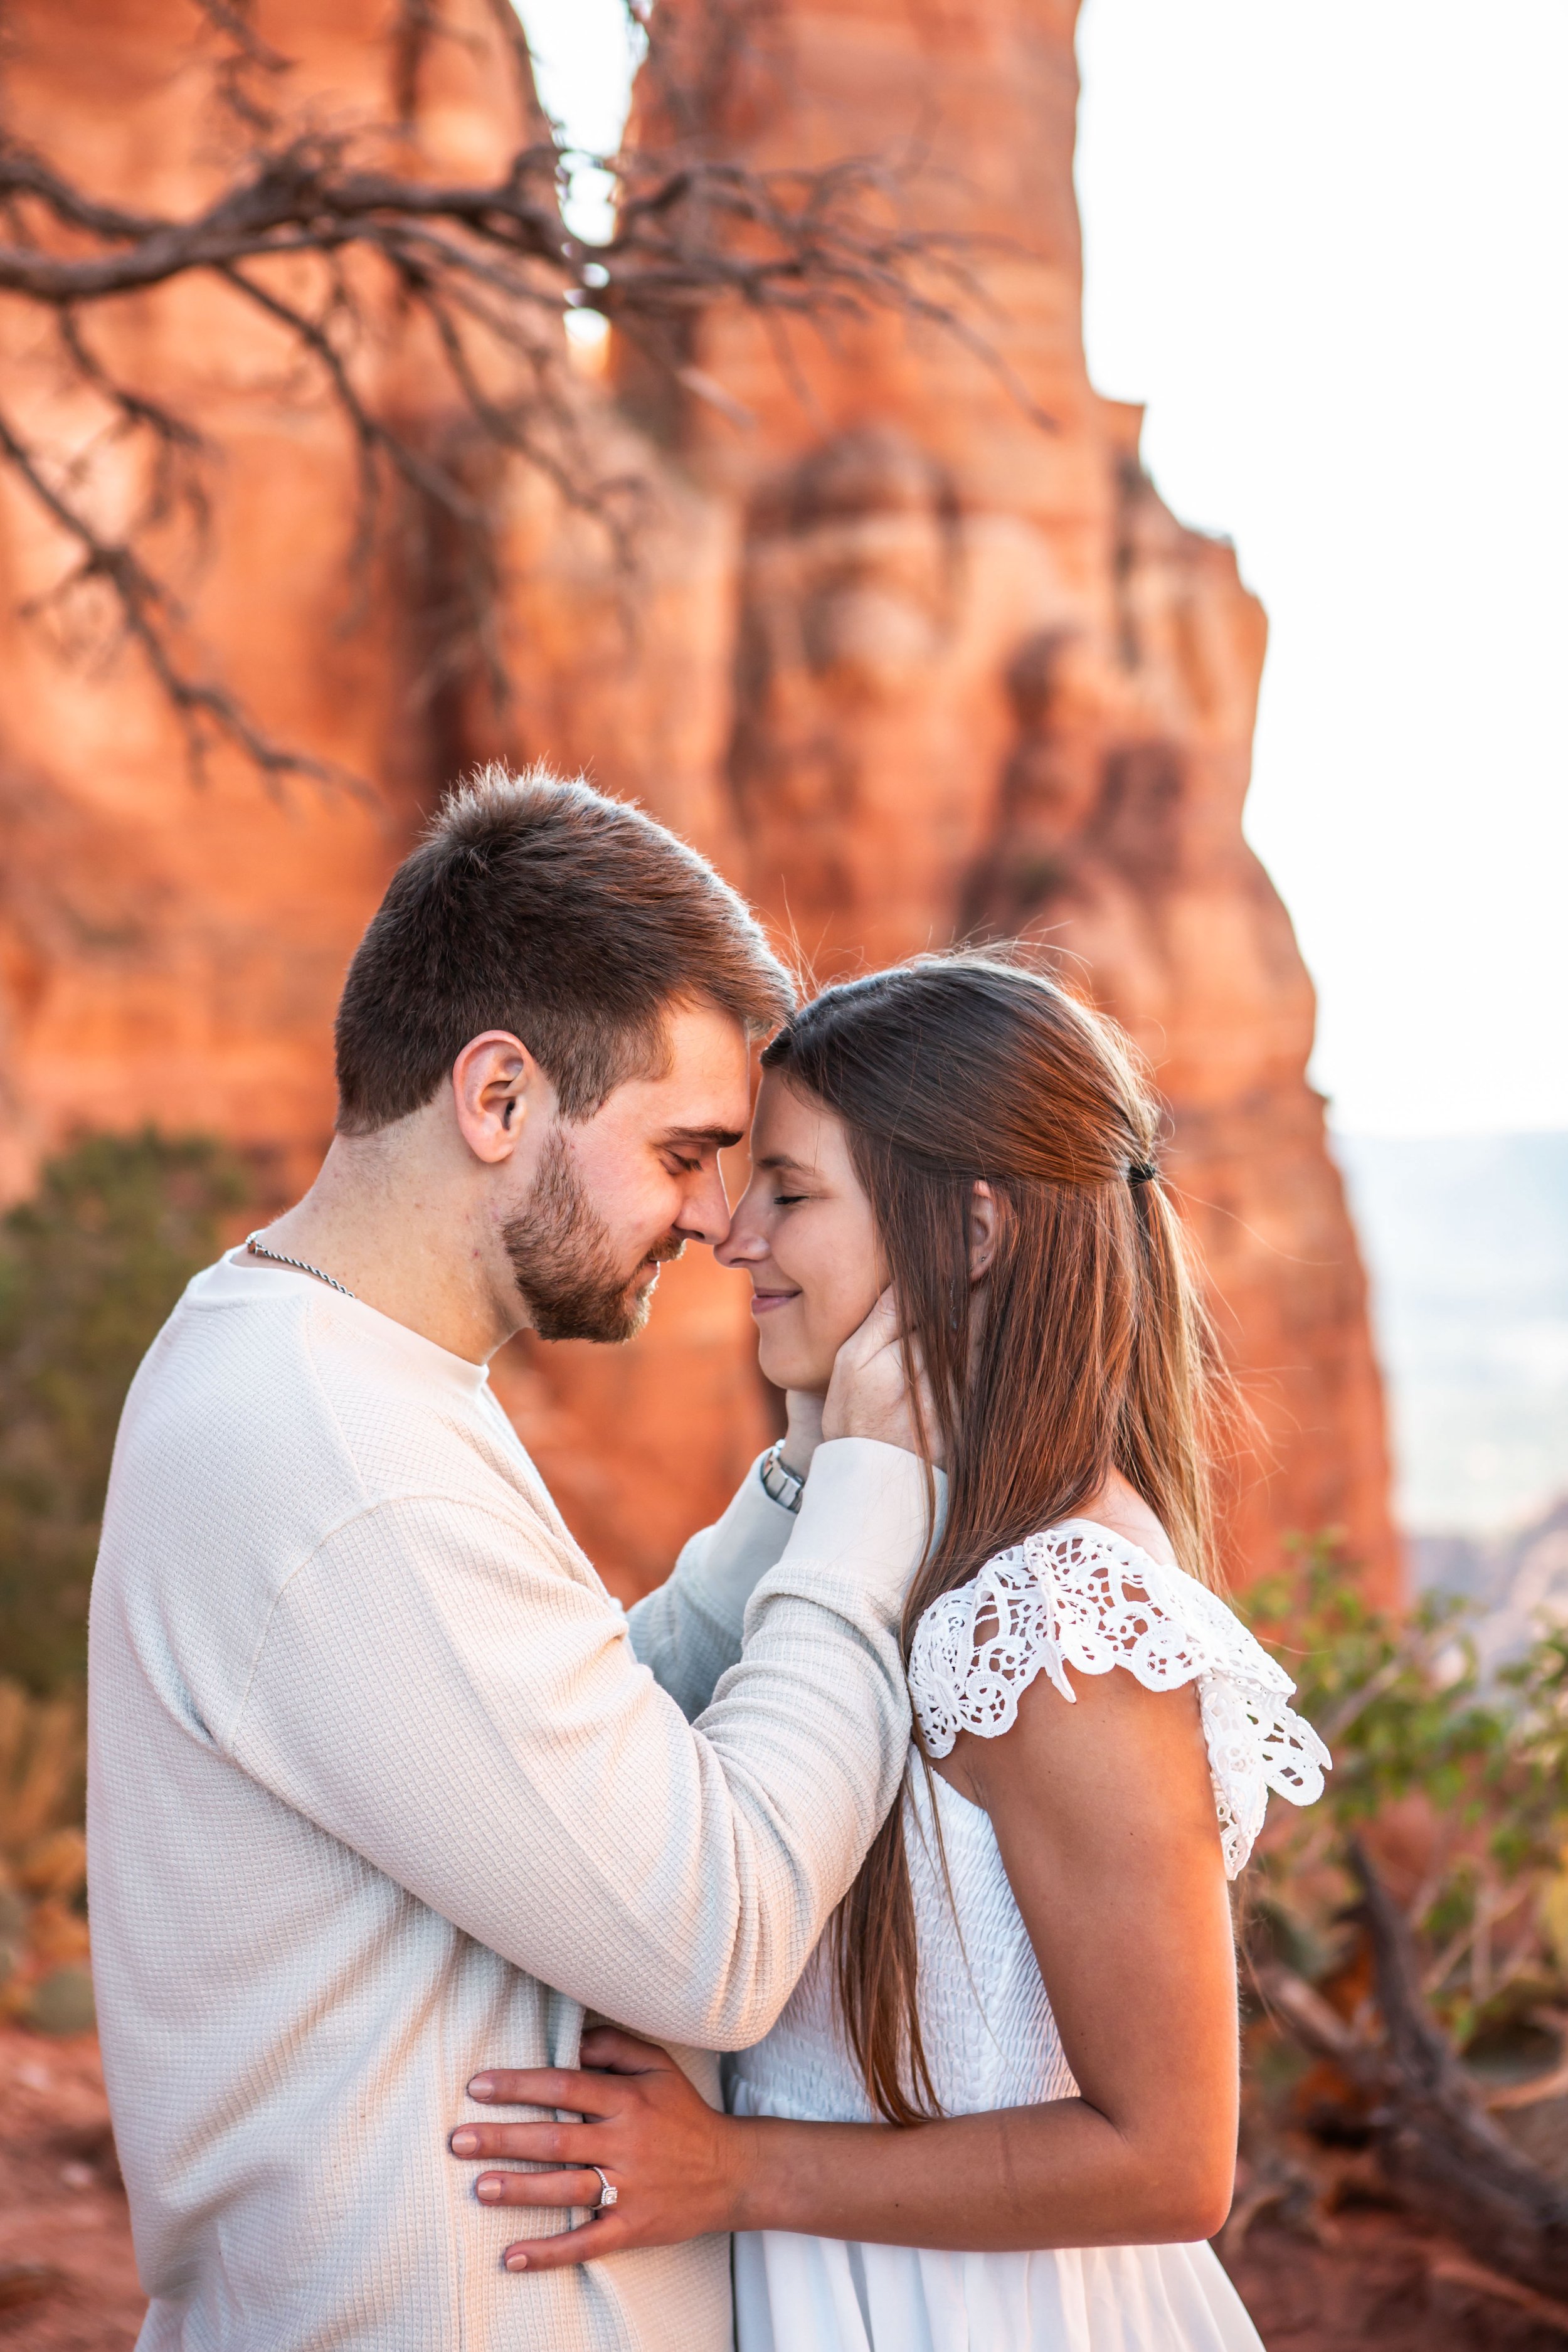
(1077, 1595)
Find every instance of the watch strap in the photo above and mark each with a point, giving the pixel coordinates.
(782, 1485)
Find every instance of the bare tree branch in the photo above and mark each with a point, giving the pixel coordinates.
(246, 65)
(205, 711)
(489, 271)
(1436, 2146)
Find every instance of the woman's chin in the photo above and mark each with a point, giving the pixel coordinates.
(784, 1366)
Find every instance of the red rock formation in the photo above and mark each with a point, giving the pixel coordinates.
(173, 953)
(902, 659)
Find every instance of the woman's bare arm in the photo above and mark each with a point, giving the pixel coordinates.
(1105, 1817)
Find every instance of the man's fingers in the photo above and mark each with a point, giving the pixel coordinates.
(587, 2243)
(882, 1323)
(537, 2086)
(570, 2186)
(880, 1330)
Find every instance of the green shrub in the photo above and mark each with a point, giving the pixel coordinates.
(89, 1268)
(1475, 1775)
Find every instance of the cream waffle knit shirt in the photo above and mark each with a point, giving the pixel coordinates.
(383, 1786)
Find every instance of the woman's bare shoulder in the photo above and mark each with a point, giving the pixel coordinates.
(1121, 1508)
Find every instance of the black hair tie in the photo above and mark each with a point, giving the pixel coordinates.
(1141, 1171)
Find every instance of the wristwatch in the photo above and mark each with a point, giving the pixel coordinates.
(784, 1484)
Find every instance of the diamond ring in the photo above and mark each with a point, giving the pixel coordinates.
(611, 2195)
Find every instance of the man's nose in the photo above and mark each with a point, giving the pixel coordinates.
(705, 1216)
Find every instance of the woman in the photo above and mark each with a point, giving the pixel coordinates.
(1000, 2108)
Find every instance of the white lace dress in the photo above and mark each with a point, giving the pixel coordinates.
(1078, 1596)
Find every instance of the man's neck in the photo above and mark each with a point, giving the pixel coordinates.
(406, 1246)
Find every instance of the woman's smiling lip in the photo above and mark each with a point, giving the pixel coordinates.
(764, 1301)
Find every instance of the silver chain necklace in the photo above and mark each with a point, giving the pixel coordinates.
(258, 1248)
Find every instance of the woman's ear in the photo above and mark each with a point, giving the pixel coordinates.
(981, 1230)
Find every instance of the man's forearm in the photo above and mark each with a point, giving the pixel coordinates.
(688, 1631)
(688, 1905)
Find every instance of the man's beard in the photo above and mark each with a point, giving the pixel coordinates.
(563, 1261)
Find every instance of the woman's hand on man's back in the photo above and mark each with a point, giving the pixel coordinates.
(678, 2169)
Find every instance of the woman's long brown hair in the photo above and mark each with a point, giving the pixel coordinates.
(1084, 1348)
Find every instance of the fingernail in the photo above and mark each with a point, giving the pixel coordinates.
(516, 2262)
(465, 2143)
(489, 2189)
(483, 2087)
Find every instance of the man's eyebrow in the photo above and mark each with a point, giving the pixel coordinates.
(723, 1137)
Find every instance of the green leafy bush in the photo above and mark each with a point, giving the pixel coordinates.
(89, 1268)
(43, 1859)
(1460, 1787)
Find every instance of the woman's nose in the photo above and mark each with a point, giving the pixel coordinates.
(743, 1244)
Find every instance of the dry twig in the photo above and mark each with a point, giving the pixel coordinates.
(484, 272)
(1436, 2146)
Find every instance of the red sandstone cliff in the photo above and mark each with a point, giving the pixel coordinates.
(907, 661)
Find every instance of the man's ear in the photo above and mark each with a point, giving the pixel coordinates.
(981, 1230)
(496, 1085)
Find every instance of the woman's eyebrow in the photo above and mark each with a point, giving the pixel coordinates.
(775, 1159)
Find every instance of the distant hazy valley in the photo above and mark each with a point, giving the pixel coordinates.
(1467, 1245)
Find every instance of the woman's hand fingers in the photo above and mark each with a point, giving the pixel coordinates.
(542, 2142)
(570, 2186)
(678, 2166)
(587, 2244)
(540, 2086)
(612, 2051)
(606, 2049)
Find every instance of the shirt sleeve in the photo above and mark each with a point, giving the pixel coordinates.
(688, 1632)
(440, 1693)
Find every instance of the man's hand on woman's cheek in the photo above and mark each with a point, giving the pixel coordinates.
(678, 2170)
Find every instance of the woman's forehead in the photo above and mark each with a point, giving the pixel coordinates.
(790, 1126)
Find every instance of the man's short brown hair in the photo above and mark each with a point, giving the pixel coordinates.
(541, 907)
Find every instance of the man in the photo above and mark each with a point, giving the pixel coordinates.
(378, 1788)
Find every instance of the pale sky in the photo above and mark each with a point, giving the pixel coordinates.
(1328, 245)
